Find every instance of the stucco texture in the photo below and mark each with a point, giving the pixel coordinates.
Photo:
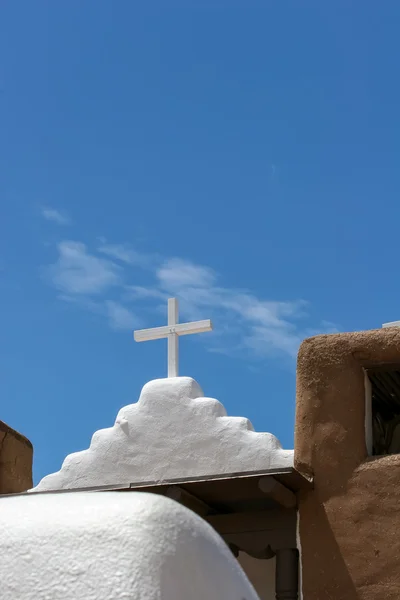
(173, 431)
(16, 455)
(113, 546)
(349, 523)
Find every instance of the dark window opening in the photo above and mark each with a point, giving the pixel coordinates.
(385, 408)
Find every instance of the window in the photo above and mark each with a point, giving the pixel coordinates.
(383, 409)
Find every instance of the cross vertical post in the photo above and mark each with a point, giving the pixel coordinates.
(172, 331)
(173, 356)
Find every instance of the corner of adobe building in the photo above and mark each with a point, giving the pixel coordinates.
(16, 457)
(348, 521)
(322, 421)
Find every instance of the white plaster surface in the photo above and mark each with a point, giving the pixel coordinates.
(298, 540)
(113, 546)
(171, 432)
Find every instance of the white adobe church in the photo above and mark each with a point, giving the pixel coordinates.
(175, 501)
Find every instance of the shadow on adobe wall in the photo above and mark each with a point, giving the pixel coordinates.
(349, 522)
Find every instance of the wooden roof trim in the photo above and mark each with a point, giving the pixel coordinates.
(297, 480)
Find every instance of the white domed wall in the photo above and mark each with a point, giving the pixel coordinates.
(173, 431)
(112, 546)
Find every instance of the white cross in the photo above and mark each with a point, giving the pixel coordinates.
(172, 331)
(392, 324)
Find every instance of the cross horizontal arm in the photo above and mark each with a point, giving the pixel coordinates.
(158, 333)
(195, 327)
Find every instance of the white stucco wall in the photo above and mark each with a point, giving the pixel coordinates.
(112, 546)
(173, 431)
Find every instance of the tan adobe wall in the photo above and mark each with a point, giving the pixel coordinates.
(350, 523)
(16, 455)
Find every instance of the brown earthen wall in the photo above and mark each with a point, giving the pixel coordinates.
(349, 523)
(16, 454)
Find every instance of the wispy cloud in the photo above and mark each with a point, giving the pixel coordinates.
(77, 272)
(120, 317)
(52, 214)
(127, 283)
(139, 292)
(247, 321)
(125, 253)
(177, 273)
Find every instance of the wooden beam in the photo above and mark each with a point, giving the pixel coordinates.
(189, 500)
(248, 522)
(278, 492)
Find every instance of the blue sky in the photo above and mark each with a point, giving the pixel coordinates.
(242, 156)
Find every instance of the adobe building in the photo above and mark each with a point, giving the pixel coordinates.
(347, 442)
(16, 454)
(316, 523)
